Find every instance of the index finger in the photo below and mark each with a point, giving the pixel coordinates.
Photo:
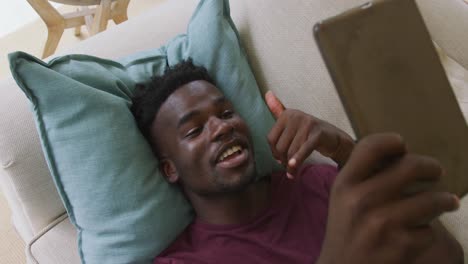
(274, 104)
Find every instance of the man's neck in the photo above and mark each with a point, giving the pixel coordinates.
(233, 208)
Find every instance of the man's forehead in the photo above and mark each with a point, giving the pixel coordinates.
(187, 98)
(197, 88)
(193, 94)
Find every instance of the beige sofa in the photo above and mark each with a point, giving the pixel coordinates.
(278, 37)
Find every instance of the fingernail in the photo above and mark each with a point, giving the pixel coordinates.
(279, 161)
(289, 175)
(292, 162)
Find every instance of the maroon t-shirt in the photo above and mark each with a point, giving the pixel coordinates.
(290, 231)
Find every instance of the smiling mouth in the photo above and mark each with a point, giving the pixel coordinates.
(230, 152)
(233, 157)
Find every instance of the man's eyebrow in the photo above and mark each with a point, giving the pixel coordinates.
(187, 117)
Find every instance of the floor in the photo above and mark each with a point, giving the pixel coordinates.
(24, 14)
(31, 38)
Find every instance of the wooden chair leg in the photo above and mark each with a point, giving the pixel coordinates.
(103, 13)
(89, 23)
(77, 31)
(77, 28)
(120, 18)
(54, 21)
(53, 38)
(120, 11)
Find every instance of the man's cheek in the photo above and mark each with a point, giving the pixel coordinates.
(241, 125)
(192, 151)
(190, 147)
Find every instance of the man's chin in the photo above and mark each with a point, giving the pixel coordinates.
(235, 181)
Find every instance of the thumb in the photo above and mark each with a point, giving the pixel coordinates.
(274, 104)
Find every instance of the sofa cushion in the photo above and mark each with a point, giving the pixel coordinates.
(448, 33)
(104, 170)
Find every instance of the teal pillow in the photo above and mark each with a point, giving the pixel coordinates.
(104, 170)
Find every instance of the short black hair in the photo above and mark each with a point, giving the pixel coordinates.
(148, 98)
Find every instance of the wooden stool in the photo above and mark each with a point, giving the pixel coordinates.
(95, 19)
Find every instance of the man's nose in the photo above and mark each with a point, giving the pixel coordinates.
(220, 128)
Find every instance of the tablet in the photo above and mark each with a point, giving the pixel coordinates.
(390, 79)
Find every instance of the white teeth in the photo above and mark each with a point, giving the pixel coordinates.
(229, 152)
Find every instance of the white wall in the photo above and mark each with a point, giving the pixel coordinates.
(14, 14)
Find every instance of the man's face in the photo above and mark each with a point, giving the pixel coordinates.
(202, 142)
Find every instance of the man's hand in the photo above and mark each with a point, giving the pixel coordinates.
(296, 135)
(372, 219)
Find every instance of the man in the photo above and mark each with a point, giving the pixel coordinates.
(364, 216)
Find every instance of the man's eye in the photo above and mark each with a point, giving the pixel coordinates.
(227, 114)
(193, 132)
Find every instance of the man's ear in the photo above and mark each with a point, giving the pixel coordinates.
(169, 170)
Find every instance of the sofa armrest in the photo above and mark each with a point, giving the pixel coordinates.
(55, 244)
(26, 181)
